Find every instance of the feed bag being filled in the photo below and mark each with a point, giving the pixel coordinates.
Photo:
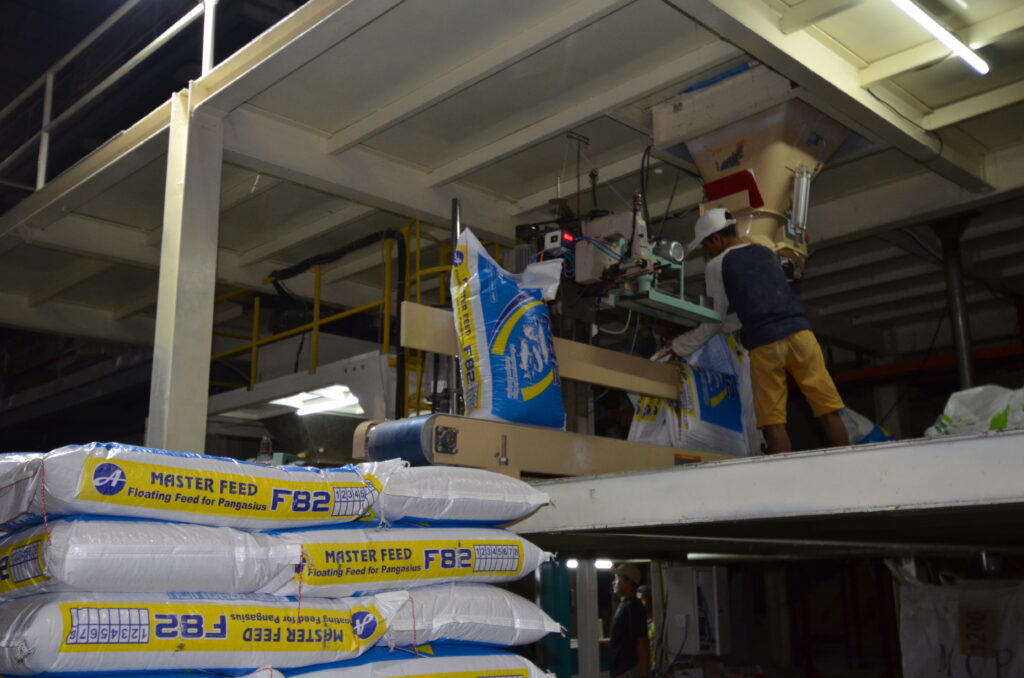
(506, 353)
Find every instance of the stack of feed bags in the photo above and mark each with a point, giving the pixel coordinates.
(126, 559)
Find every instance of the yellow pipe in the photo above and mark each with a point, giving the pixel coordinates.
(230, 295)
(434, 269)
(226, 384)
(441, 296)
(232, 335)
(315, 344)
(386, 344)
(255, 354)
(297, 330)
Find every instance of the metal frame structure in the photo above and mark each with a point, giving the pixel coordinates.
(284, 137)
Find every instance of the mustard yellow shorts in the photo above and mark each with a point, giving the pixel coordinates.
(800, 355)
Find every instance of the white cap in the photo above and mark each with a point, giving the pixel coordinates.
(711, 222)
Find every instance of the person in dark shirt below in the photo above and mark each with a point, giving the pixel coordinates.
(748, 279)
(629, 650)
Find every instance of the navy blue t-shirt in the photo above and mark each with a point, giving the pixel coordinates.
(760, 295)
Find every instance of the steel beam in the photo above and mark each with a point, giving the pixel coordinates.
(66, 278)
(59, 317)
(980, 34)
(563, 22)
(976, 105)
(295, 234)
(238, 192)
(810, 12)
(931, 476)
(101, 239)
(300, 37)
(109, 164)
(588, 616)
(832, 84)
(264, 143)
(188, 276)
(632, 88)
(136, 304)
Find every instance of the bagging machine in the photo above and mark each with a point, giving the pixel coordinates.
(757, 166)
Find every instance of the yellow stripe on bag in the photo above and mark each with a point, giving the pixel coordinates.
(224, 627)
(194, 490)
(331, 564)
(502, 673)
(531, 392)
(506, 329)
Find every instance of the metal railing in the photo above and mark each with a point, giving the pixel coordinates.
(415, 360)
(205, 8)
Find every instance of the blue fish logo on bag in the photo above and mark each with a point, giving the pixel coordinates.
(506, 351)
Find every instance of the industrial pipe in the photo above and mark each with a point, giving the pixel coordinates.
(959, 318)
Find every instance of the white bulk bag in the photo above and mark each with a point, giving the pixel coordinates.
(122, 480)
(141, 556)
(64, 632)
(439, 494)
(346, 562)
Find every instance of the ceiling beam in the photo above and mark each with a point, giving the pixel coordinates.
(631, 88)
(832, 84)
(59, 317)
(810, 12)
(74, 273)
(977, 36)
(261, 142)
(370, 257)
(306, 33)
(120, 157)
(137, 304)
(296, 235)
(841, 331)
(976, 105)
(243, 189)
(546, 32)
(917, 199)
(103, 240)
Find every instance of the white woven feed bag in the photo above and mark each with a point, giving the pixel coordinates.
(129, 556)
(439, 494)
(347, 562)
(19, 482)
(427, 661)
(121, 480)
(104, 633)
(67, 632)
(474, 613)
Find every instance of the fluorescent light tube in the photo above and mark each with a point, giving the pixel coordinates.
(942, 35)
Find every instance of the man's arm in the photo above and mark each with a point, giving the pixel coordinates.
(687, 343)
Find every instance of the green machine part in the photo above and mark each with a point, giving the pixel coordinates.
(555, 600)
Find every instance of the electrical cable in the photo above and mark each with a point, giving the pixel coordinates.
(668, 207)
(625, 328)
(277, 277)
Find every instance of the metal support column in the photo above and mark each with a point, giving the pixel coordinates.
(188, 268)
(588, 623)
(453, 369)
(959, 318)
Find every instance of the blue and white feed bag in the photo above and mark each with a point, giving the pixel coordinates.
(506, 352)
(108, 632)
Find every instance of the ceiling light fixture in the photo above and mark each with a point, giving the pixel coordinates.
(942, 35)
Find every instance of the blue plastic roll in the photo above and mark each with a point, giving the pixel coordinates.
(408, 439)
